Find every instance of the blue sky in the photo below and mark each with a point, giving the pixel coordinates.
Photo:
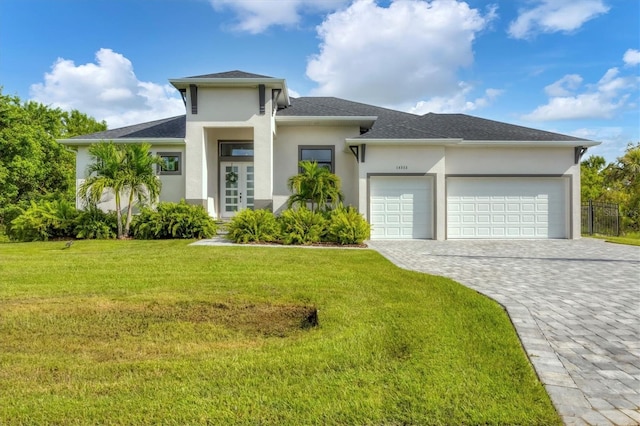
(569, 66)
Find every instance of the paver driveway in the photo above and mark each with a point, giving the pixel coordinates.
(575, 306)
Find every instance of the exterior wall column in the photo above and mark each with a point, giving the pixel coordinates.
(575, 228)
(263, 158)
(196, 159)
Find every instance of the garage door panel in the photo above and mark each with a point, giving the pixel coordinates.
(401, 207)
(506, 208)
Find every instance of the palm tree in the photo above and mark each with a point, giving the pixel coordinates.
(315, 184)
(141, 180)
(104, 174)
(121, 169)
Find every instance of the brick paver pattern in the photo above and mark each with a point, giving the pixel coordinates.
(574, 303)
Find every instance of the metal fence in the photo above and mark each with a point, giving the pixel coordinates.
(600, 218)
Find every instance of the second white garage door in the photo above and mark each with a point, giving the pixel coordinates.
(528, 207)
(401, 207)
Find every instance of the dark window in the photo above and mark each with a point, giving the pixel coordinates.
(323, 155)
(171, 163)
(236, 149)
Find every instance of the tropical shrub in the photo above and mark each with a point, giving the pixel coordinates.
(43, 221)
(121, 170)
(173, 220)
(315, 185)
(347, 226)
(253, 226)
(93, 223)
(302, 226)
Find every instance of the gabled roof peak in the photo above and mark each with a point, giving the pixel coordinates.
(231, 74)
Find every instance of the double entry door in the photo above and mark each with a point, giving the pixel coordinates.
(236, 187)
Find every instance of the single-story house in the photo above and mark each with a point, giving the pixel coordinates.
(432, 176)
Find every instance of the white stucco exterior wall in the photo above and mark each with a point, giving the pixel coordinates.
(286, 149)
(509, 160)
(173, 186)
(227, 108)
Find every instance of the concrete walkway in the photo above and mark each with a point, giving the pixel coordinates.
(574, 304)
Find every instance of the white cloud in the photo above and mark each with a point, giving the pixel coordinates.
(457, 102)
(614, 141)
(293, 93)
(632, 57)
(107, 90)
(602, 100)
(398, 54)
(550, 16)
(255, 16)
(565, 86)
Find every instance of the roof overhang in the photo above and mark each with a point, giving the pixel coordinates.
(399, 142)
(271, 83)
(295, 120)
(535, 144)
(465, 143)
(152, 141)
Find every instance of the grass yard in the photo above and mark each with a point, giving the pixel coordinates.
(631, 239)
(150, 332)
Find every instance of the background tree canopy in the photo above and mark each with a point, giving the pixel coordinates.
(617, 182)
(33, 166)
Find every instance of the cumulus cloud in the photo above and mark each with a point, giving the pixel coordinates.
(614, 140)
(398, 54)
(631, 57)
(457, 102)
(107, 90)
(565, 86)
(293, 93)
(602, 100)
(550, 16)
(255, 16)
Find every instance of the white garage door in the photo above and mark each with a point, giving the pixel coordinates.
(401, 207)
(507, 208)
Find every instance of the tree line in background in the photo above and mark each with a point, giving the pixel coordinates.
(33, 166)
(617, 182)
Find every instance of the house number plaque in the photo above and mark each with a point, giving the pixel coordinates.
(402, 167)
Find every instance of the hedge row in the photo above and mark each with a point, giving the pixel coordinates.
(343, 225)
(61, 220)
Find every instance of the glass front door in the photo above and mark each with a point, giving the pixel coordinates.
(236, 182)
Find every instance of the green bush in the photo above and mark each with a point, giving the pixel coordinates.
(148, 225)
(253, 226)
(43, 221)
(11, 212)
(173, 220)
(302, 226)
(93, 223)
(347, 226)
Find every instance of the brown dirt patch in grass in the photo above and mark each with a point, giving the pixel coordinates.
(120, 317)
(261, 319)
(106, 330)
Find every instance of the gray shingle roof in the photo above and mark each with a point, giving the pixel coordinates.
(468, 127)
(231, 74)
(174, 127)
(390, 124)
(336, 107)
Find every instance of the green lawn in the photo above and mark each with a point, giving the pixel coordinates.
(631, 239)
(144, 332)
